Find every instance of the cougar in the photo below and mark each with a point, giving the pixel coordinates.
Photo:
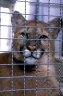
(29, 69)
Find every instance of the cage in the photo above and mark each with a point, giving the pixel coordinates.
(31, 62)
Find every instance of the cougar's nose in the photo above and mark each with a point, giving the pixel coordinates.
(31, 47)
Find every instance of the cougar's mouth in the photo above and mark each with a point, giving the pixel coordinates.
(31, 58)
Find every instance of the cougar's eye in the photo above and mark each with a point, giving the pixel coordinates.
(43, 37)
(24, 34)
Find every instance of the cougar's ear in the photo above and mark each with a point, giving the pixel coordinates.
(54, 27)
(17, 20)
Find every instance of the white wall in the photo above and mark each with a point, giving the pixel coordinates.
(5, 31)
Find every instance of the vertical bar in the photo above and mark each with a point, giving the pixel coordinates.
(0, 28)
(62, 36)
(36, 19)
(24, 57)
(37, 10)
(62, 25)
(48, 90)
(12, 67)
(59, 51)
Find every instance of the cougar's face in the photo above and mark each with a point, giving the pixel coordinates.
(31, 43)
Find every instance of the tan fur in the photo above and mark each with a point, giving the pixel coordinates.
(42, 79)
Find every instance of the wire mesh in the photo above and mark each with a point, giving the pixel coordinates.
(17, 78)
